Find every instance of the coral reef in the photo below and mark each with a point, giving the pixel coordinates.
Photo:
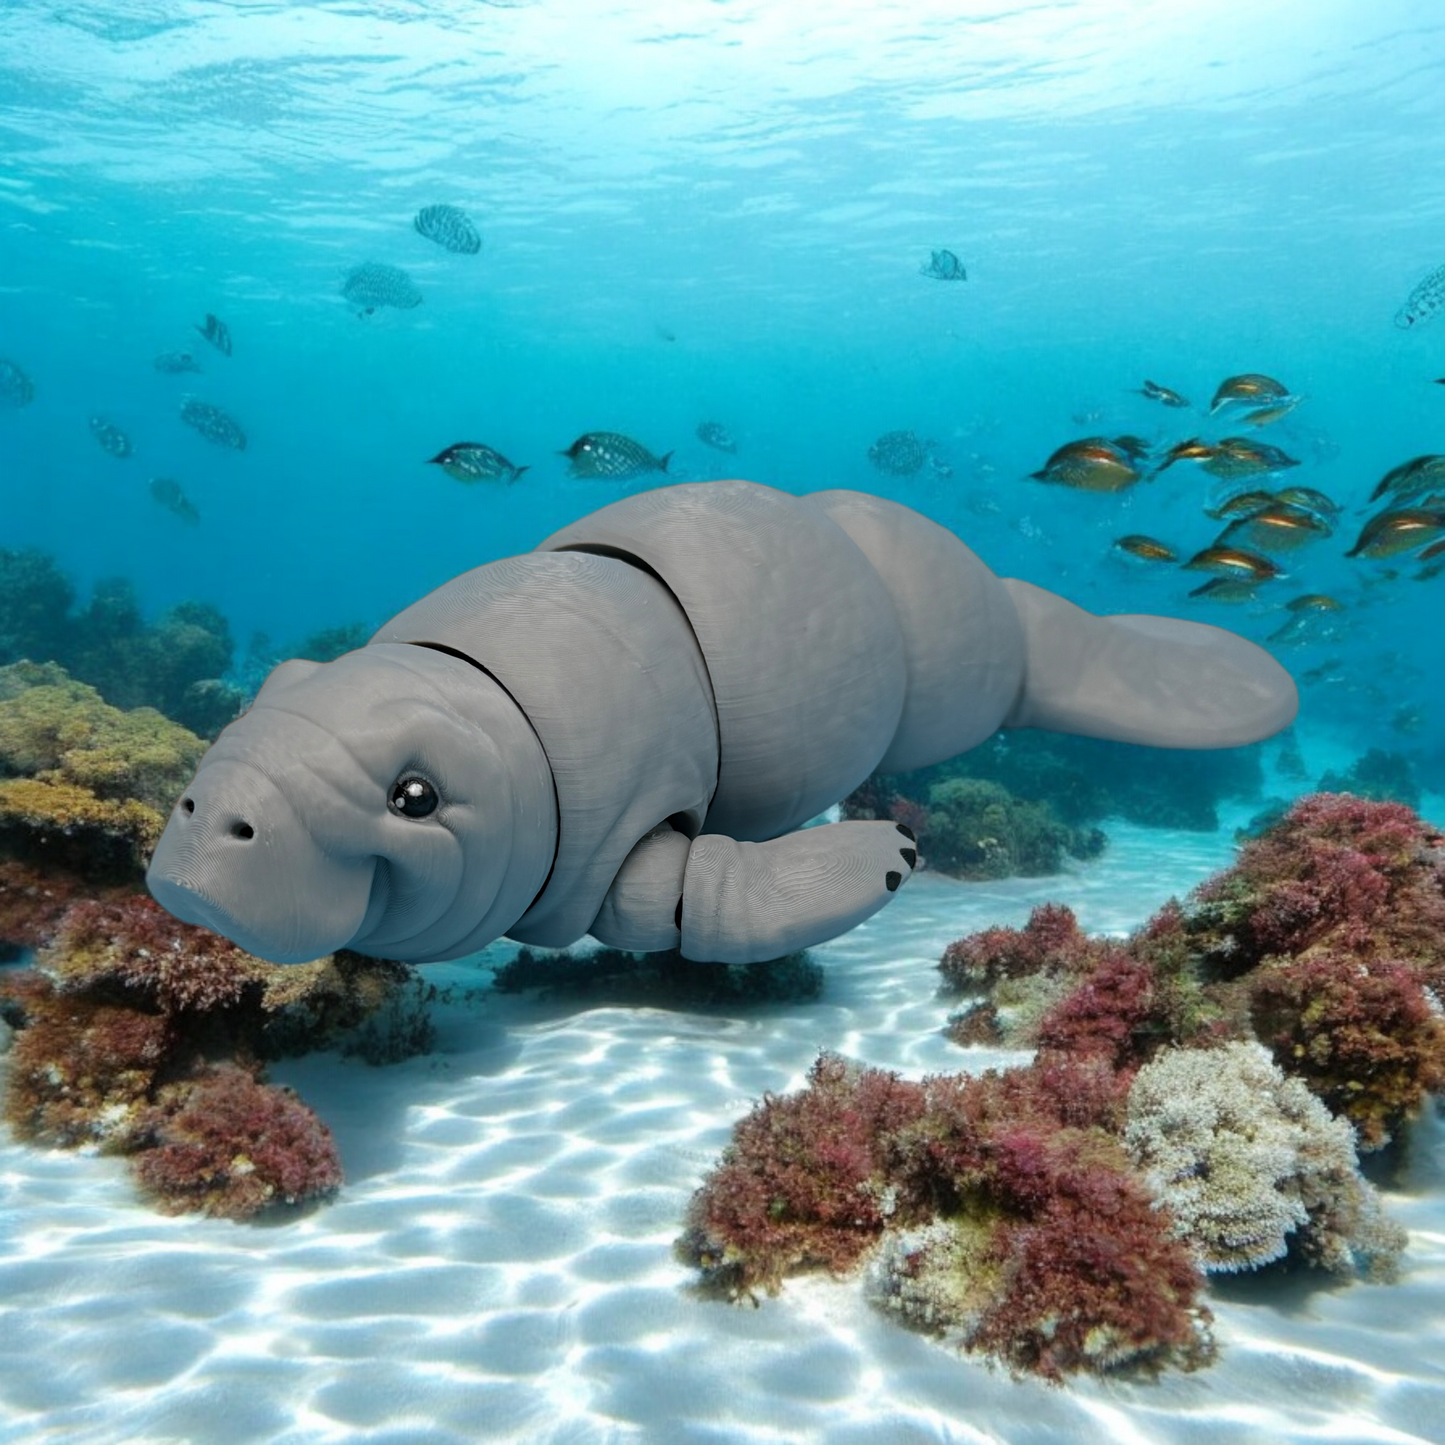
(138, 1033)
(1249, 1163)
(1381, 775)
(1197, 1101)
(175, 665)
(973, 828)
(227, 1145)
(1323, 941)
(1009, 1219)
(1083, 781)
(84, 786)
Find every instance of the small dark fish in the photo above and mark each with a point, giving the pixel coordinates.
(1435, 549)
(1311, 500)
(610, 456)
(217, 333)
(1440, 381)
(1242, 504)
(664, 334)
(1312, 620)
(449, 228)
(1390, 533)
(169, 494)
(1252, 387)
(16, 389)
(375, 284)
(1147, 549)
(1228, 589)
(1237, 457)
(476, 462)
(173, 363)
(1411, 479)
(1193, 449)
(944, 266)
(898, 453)
(111, 438)
(1274, 412)
(213, 424)
(1315, 602)
(717, 436)
(1225, 561)
(1092, 464)
(1424, 301)
(1155, 392)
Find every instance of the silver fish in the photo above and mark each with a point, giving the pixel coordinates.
(1424, 301)
(717, 436)
(111, 438)
(612, 456)
(16, 389)
(374, 284)
(944, 266)
(476, 462)
(898, 453)
(173, 363)
(213, 424)
(449, 228)
(168, 493)
(217, 333)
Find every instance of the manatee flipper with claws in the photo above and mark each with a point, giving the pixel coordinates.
(623, 732)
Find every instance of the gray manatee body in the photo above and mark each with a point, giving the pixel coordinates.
(622, 732)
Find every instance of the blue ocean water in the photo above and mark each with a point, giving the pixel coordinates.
(718, 212)
(706, 212)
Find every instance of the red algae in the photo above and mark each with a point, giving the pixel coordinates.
(228, 1145)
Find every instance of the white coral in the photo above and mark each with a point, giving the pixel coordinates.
(1243, 1156)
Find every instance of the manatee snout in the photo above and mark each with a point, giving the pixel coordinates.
(235, 858)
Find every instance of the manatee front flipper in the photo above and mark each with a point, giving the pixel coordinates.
(749, 902)
(1142, 679)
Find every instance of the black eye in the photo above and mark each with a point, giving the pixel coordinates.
(413, 797)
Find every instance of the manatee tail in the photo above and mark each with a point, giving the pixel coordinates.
(1142, 679)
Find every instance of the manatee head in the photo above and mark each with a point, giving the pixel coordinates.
(395, 801)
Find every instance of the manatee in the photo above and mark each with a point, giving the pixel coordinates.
(622, 733)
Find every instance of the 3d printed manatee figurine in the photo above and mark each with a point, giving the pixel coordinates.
(619, 734)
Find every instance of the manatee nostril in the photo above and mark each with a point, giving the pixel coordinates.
(189, 804)
(243, 830)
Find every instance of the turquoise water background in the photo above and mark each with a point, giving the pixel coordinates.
(714, 212)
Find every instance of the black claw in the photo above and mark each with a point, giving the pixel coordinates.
(677, 912)
(910, 856)
(893, 880)
(907, 832)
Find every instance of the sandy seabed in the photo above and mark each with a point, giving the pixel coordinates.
(499, 1264)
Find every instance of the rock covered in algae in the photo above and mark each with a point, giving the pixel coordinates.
(84, 785)
(143, 1036)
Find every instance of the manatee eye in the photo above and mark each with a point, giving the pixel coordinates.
(413, 797)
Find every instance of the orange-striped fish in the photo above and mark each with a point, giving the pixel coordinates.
(1389, 533)
(1233, 562)
(1147, 549)
(1250, 386)
(1276, 528)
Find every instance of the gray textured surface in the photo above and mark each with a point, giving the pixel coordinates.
(704, 667)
